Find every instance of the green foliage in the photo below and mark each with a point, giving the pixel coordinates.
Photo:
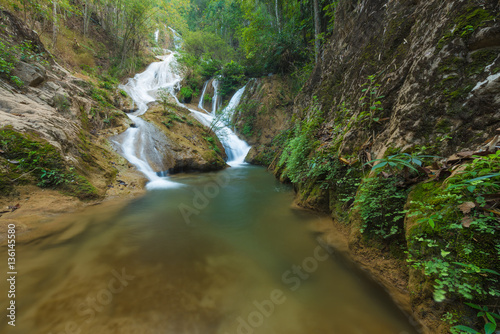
(61, 103)
(247, 115)
(231, 77)
(102, 97)
(209, 68)
(370, 101)
(212, 144)
(7, 59)
(299, 147)
(209, 47)
(457, 232)
(381, 205)
(490, 320)
(465, 24)
(164, 97)
(186, 94)
(171, 118)
(398, 162)
(16, 81)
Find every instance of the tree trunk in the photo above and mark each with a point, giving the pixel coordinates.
(317, 30)
(85, 18)
(278, 22)
(54, 23)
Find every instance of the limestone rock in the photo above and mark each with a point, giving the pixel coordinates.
(31, 75)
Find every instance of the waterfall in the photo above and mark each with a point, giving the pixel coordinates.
(215, 85)
(159, 75)
(177, 39)
(137, 144)
(200, 104)
(236, 149)
(157, 34)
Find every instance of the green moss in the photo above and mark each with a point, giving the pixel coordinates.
(465, 24)
(481, 59)
(42, 162)
(451, 64)
(443, 126)
(80, 187)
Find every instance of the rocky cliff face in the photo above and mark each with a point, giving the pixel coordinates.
(434, 64)
(264, 113)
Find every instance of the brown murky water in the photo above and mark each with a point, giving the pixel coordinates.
(223, 253)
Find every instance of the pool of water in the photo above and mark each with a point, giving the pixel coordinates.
(222, 253)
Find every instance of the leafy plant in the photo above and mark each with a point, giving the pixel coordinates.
(381, 206)
(490, 320)
(453, 243)
(397, 162)
(370, 102)
(300, 145)
(186, 94)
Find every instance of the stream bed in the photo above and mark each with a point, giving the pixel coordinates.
(221, 252)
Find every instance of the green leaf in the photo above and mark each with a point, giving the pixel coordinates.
(477, 307)
(466, 329)
(490, 318)
(431, 223)
(443, 252)
(484, 177)
(490, 271)
(489, 328)
(379, 165)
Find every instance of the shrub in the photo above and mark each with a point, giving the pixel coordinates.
(231, 78)
(186, 94)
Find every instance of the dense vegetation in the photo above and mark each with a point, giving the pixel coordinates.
(233, 39)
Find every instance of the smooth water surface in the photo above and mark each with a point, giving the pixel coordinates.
(225, 253)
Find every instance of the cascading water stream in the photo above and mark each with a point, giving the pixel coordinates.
(215, 85)
(177, 38)
(236, 149)
(137, 144)
(202, 98)
(157, 34)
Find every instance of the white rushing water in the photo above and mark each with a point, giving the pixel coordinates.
(215, 85)
(202, 98)
(236, 149)
(177, 38)
(138, 143)
(143, 88)
(157, 34)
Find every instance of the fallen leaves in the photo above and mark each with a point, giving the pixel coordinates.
(466, 207)
(466, 221)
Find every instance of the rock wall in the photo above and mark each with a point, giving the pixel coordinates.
(264, 112)
(435, 64)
